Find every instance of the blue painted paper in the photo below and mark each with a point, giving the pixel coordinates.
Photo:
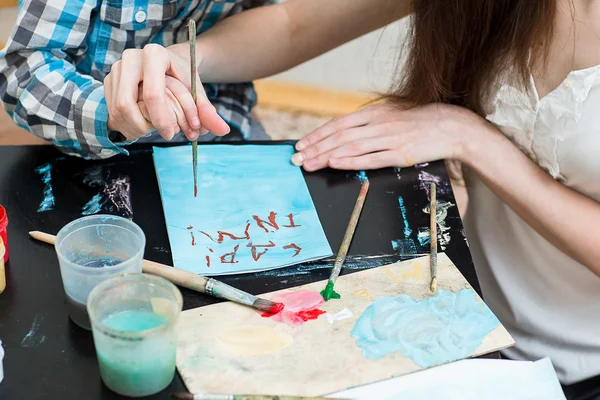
(431, 331)
(253, 211)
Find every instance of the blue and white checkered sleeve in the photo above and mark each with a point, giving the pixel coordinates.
(40, 87)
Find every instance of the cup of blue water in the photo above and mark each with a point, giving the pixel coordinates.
(133, 322)
(93, 249)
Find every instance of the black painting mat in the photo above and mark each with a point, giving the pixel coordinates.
(64, 365)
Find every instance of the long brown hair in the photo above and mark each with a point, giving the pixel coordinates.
(459, 47)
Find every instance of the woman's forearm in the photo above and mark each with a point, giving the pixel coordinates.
(268, 40)
(556, 212)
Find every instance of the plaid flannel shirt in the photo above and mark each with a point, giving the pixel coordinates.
(52, 68)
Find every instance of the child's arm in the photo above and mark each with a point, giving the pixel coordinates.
(244, 47)
(40, 87)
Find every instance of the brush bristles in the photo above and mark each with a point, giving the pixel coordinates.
(267, 306)
(434, 285)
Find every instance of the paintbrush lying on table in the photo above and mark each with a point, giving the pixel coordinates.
(198, 396)
(328, 293)
(433, 236)
(191, 281)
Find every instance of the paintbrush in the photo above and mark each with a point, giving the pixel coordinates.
(433, 235)
(192, 37)
(328, 293)
(198, 396)
(194, 282)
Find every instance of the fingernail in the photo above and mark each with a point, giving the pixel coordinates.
(195, 123)
(297, 159)
(193, 135)
(300, 146)
(203, 131)
(334, 161)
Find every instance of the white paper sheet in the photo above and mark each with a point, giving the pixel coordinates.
(469, 380)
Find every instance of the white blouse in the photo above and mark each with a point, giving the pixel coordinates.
(549, 302)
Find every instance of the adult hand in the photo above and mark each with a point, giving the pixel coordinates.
(385, 135)
(152, 66)
(174, 108)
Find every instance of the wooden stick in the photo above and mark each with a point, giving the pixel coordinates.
(203, 396)
(328, 293)
(191, 281)
(192, 38)
(433, 235)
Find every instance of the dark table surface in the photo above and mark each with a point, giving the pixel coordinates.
(49, 357)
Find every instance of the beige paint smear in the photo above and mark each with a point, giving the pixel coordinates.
(250, 340)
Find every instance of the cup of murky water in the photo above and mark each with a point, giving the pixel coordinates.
(133, 320)
(93, 249)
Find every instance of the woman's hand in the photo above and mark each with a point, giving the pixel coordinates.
(385, 135)
(153, 67)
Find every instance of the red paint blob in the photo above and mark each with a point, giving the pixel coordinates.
(3, 233)
(193, 239)
(306, 315)
(309, 314)
(190, 227)
(300, 306)
(275, 309)
(195, 190)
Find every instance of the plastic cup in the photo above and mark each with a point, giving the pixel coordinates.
(93, 249)
(133, 322)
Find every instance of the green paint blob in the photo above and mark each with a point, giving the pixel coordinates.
(138, 367)
(328, 293)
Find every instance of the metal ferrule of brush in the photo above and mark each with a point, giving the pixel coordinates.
(220, 289)
(210, 287)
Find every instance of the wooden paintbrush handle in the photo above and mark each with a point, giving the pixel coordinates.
(179, 277)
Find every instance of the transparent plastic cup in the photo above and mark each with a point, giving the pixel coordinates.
(133, 322)
(93, 249)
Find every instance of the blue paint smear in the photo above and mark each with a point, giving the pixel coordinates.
(94, 206)
(47, 202)
(407, 230)
(404, 246)
(355, 262)
(362, 176)
(97, 261)
(424, 236)
(236, 183)
(432, 331)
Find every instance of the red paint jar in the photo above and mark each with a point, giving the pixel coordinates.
(3, 231)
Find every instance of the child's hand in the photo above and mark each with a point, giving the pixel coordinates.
(152, 66)
(175, 109)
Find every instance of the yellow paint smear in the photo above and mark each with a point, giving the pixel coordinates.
(415, 273)
(362, 293)
(250, 340)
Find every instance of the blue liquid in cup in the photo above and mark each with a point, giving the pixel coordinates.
(138, 369)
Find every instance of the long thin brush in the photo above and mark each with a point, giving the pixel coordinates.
(192, 37)
(328, 293)
(433, 235)
(198, 283)
(202, 396)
